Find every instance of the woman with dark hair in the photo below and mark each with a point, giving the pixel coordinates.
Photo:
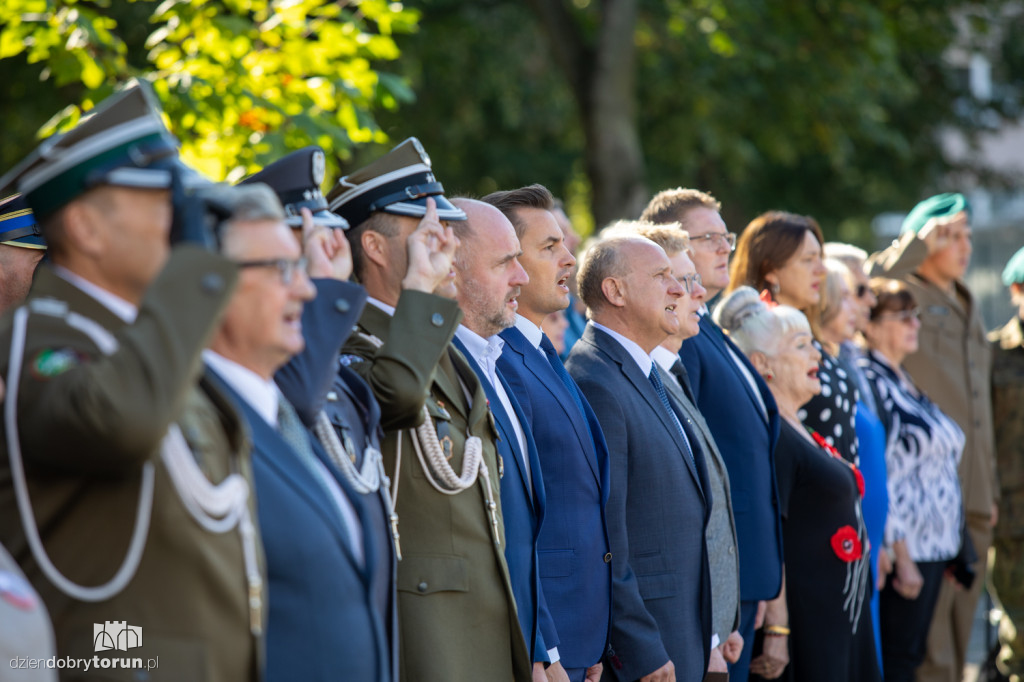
(923, 448)
(781, 252)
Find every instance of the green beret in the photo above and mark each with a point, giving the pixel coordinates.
(938, 206)
(1013, 273)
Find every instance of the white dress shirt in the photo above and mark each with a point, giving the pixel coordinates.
(262, 396)
(486, 353)
(377, 303)
(532, 332)
(665, 360)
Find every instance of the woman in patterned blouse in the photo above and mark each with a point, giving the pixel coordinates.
(924, 446)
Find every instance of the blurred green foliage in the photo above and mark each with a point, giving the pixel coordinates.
(242, 81)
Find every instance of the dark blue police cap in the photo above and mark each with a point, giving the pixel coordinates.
(296, 180)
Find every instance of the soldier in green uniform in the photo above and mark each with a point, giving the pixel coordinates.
(457, 615)
(1008, 416)
(138, 536)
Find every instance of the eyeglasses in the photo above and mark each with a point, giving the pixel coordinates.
(688, 281)
(285, 268)
(904, 316)
(716, 238)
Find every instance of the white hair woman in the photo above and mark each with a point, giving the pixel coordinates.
(819, 622)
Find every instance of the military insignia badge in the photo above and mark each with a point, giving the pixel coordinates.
(50, 362)
(446, 447)
(15, 591)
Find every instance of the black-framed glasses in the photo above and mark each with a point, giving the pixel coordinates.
(688, 281)
(716, 238)
(285, 268)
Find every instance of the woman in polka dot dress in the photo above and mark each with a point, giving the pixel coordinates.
(833, 412)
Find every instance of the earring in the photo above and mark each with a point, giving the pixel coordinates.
(775, 290)
(769, 375)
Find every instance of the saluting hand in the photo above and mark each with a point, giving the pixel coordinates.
(936, 235)
(431, 249)
(326, 250)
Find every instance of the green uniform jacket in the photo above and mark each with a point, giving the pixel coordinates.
(88, 422)
(952, 365)
(1008, 417)
(456, 613)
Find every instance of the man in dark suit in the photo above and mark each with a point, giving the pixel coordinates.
(729, 391)
(660, 498)
(332, 400)
(320, 549)
(575, 564)
(488, 277)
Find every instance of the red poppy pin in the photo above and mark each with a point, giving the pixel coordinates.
(846, 544)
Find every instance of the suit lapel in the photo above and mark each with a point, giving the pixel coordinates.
(631, 371)
(721, 343)
(501, 418)
(270, 448)
(538, 366)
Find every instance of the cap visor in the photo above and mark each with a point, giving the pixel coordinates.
(417, 208)
(324, 217)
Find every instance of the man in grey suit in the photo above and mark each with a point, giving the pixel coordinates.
(660, 497)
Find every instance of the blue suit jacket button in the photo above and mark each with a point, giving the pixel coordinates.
(608, 558)
(437, 319)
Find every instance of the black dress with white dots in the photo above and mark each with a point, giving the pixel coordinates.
(833, 412)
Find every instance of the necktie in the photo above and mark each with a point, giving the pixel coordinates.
(679, 372)
(556, 364)
(659, 388)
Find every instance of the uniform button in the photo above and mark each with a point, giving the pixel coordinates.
(332, 396)
(212, 283)
(608, 558)
(732, 550)
(437, 319)
(342, 306)
(422, 587)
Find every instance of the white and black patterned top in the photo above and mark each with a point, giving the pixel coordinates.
(833, 412)
(923, 450)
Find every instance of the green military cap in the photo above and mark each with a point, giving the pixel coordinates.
(939, 206)
(400, 182)
(1013, 273)
(122, 142)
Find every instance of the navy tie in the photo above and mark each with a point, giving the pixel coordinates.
(556, 364)
(659, 388)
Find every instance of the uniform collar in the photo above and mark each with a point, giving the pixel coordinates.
(112, 302)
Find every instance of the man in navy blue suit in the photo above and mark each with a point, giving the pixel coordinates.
(729, 391)
(575, 563)
(320, 551)
(660, 498)
(488, 277)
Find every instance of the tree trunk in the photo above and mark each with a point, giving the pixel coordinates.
(602, 76)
